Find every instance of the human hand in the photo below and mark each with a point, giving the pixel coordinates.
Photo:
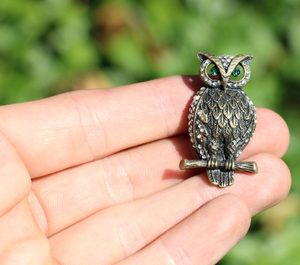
(91, 177)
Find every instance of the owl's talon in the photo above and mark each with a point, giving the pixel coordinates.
(212, 163)
(230, 165)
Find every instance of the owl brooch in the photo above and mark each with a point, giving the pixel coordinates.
(222, 118)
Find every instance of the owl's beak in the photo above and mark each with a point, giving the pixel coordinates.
(225, 82)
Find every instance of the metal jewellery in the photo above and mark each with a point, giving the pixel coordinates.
(221, 118)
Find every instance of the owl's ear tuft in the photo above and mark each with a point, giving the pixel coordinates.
(201, 56)
(248, 59)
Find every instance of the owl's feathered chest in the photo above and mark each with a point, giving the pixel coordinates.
(218, 117)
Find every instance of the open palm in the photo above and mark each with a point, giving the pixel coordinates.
(91, 177)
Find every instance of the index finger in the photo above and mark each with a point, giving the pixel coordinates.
(78, 127)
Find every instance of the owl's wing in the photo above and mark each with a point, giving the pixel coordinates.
(198, 118)
(245, 118)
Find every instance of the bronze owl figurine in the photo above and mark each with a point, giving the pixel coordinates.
(221, 118)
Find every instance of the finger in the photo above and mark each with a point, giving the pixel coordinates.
(131, 174)
(79, 127)
(203, 238)
(136, 224)
(14, 178)
(271, 134)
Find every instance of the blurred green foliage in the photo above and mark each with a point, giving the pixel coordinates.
(55, 45)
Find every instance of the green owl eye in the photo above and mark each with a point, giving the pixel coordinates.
(212, 71)
(238, 73)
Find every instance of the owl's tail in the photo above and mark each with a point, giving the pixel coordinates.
(220, 178)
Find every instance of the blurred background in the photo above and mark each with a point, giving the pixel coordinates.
(51, 46)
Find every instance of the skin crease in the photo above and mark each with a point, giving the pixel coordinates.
(75, 188)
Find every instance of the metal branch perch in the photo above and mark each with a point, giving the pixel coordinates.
(248, 166)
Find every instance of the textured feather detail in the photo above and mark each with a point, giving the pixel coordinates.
(220, 122)
(233, 122)
(228, 112)
(197, 126)
(214, 176)
(233, 103)
(222, 102)
(216, 113)
(220, 178)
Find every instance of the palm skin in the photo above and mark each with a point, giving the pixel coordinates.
(91, 177)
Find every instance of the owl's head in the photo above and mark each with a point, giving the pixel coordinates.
(225, 71)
